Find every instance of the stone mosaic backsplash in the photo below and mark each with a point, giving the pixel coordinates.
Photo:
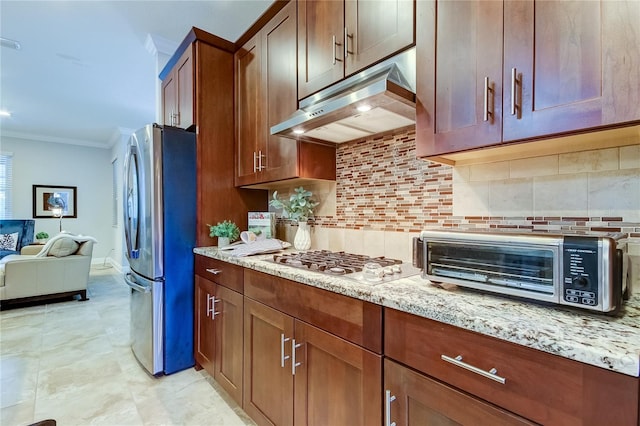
(382, 186)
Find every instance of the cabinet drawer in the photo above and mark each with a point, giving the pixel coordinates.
(222, 273)
(545, 388)
(352, 319)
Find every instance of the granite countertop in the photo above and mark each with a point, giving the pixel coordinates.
(609, 342)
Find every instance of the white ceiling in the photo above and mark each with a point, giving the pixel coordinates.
(83, 74)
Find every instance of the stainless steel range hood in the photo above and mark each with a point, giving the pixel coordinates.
(376, 101)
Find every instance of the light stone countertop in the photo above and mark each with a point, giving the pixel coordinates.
(609, 342)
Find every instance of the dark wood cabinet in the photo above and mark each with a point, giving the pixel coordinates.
(219, 316)
(522, 70)
(413, 399)
(266, 75)
(213, 101)
(297, 372)
(339, 38)
(543, 388)
(177, 93)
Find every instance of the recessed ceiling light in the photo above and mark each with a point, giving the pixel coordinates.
(11, 44)
(364, 108)
(298, 131)
(4, 113)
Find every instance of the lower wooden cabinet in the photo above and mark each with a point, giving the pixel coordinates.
(218, 334)
(296, 373)
(413, 399)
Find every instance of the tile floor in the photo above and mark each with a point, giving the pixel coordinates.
(71, 361)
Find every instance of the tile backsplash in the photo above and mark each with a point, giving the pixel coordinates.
(384, 195)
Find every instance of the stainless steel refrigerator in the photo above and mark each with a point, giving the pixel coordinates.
(160, 232)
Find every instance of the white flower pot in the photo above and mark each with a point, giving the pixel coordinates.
(302, 241)
(223, 241)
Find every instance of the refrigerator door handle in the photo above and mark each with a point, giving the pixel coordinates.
(128, 278)
(131, 204)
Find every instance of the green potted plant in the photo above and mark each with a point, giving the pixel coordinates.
(298, 207)
(226, 231)
(42, 237)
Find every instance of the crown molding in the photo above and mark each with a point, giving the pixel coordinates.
(54, 139)
(156, 44)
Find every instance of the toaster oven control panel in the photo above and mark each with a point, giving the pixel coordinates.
(580, 271)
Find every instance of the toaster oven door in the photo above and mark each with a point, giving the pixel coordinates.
(520, 270)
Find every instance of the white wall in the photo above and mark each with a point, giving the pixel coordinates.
(88, 169)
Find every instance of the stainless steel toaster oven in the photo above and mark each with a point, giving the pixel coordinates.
(581, 270)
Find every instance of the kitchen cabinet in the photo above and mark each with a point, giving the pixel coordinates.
(177, 93)
(212, 92)
(523, 70)
(300, 367)
(219, 314)
(266, 95)
(413, 399)
(537, 386)
(339, 38)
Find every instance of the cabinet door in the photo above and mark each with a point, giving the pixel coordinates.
(204, 324)
(416, 400)
(250, 133)
(320, 44)
(376, 29)
(460, 90)
(279, 41)
(337, 382)
(268, 383)
(169, 98)
(573, 64)
(228, 317)
(184, 74)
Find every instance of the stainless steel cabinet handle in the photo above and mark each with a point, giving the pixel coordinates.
(333, 47)
(388, 399)
(214, 271)
(213, 308)
(346, 43)
(255, 159)
(487, 89)
(171, 118)
(491, 374)
(177, 118)
(283, 358)
(294, 364)
(260, 157)
(210, 308)
(514, 74)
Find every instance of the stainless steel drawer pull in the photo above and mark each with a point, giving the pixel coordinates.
(491, 374)
(487, 89)
(294, 364)
(333, 48)
(214, 271)
(514, 75)
(283, 358)
(388, 399)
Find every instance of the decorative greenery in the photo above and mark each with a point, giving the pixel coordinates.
(298, 207)
(226, 229)
(42, 235)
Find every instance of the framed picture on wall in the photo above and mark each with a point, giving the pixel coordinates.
(53, 201)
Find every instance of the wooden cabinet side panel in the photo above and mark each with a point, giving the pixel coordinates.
(338, 314)
(376, 30)
(420, 400)
(218, 199)
(337, 382)
(229, 316)
(268, 387)
(537, 384)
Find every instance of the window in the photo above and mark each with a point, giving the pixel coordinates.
(6, 183)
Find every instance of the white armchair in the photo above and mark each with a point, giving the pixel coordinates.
(58, 269)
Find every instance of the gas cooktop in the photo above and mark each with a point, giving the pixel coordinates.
(353, 266)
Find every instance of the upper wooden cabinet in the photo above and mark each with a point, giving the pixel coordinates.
(561, 67)
(339, 38)
(177, 93)
(265, 69)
